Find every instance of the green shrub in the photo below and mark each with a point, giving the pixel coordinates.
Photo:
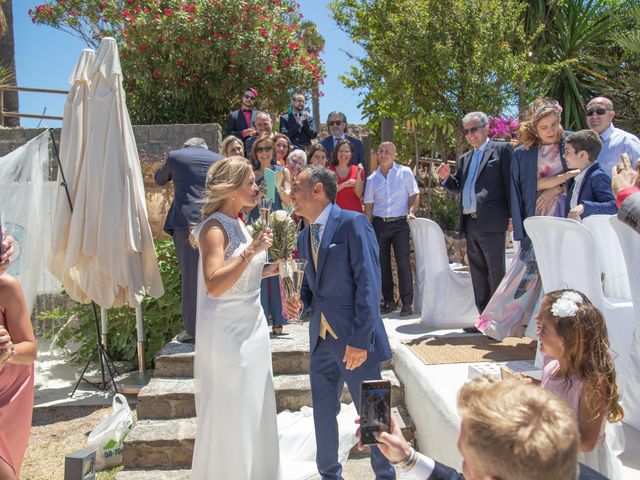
(162, 319)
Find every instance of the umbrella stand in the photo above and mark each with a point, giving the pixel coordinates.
(100, 348)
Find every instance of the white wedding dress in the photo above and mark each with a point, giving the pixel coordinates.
(237, 433)
(238, 436)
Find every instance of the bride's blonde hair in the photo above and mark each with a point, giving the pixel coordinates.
(223, 178)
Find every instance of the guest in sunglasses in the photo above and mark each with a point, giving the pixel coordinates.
(262, 158)
(482, 180)
(337, 124)
(615, 142)
(241, 122)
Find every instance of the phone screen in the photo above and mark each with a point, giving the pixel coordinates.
(375, 409)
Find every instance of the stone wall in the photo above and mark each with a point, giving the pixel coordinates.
(153, 142)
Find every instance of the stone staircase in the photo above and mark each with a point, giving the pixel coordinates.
(161, 444)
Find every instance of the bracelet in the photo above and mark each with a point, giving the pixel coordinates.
(244, 257)
(408, 462)
(11, 355)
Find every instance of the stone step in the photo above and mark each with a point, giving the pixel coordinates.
(173, 397)
(168, 444)
(180, 474)
(289, 355)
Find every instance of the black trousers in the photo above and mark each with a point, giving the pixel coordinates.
(485, 251)
(395, 234)
(188, 260)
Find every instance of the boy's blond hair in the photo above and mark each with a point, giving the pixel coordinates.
(518, 431)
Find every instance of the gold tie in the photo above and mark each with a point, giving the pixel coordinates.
(324, 325)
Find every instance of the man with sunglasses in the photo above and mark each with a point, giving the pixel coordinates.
(241, 122)
(483, 180)
(615, 142)
(337, 124)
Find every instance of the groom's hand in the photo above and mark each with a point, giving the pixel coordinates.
(354, 357)
(292, 307)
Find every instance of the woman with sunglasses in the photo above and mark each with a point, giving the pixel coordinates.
(262, 158)
(350, 177)
(538, 176)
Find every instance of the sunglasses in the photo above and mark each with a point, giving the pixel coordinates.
(249, 97)
(596, 111)
(469, 131)
(335, 122)
(263, 149)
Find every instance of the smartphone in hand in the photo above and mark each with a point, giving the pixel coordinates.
(375, 409)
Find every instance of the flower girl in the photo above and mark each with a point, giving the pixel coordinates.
(579, 369)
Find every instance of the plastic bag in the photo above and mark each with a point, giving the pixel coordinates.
(516, 299)
(107, 438)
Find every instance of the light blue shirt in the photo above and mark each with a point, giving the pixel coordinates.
(469, 188)
(615, 142)
(390, 195)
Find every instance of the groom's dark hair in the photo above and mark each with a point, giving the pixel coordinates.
(326, 177)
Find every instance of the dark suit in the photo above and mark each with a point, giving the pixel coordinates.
(358, 154)
(442, 472)
(346, 289)
(300, 135)
(187, 168)
(524, 186)
(485, 234)
(595, 193)
(236, 123)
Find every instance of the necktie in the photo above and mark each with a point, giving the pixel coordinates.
(469, 190)
(315, 235)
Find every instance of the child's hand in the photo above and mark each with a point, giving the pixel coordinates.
(576, 213)
(525, 379)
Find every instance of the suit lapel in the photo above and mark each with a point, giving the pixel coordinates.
(488, 152)
(466, 163)
(327, 237)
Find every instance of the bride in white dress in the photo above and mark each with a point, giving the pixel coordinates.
(237, 433)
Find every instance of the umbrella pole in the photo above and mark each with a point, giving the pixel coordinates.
(101, 349)
(140, 333)
(104, 327)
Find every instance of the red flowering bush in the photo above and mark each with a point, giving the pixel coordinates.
(186, 61)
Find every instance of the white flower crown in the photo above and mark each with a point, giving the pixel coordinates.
(566, 305)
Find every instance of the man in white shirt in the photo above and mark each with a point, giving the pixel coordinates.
(390, 199)
(615, 142)
(509, 430)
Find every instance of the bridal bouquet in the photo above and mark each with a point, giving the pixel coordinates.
(284, 234)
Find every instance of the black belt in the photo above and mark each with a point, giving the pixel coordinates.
(390, 219)
(473, 215)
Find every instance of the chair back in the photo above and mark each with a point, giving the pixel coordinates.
(564, 251)
(615, 279)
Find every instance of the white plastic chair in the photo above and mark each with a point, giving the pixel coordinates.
(630, 245)
(615, 279)
(565, 254)
(443, 296)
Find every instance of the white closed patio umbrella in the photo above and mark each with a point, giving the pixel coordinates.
(110, 251)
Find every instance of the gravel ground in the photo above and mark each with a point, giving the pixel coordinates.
(56, 432)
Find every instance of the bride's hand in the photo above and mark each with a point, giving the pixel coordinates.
(262, 241)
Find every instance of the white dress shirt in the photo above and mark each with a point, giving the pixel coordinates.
(615, 142)
(422, 469)
(390, 195)
(573, 202)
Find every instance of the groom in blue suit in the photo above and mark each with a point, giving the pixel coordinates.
(342, 287)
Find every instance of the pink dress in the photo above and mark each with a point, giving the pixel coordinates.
(16, 407)
(549, 164)
(602, 458)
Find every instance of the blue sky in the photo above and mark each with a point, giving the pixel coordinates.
(45, 57)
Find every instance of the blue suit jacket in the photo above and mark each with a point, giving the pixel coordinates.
(300, 136)
(443, 472)
(595, 193)
(358, 155)
(187, 167)
(347, 285)
(524, 186)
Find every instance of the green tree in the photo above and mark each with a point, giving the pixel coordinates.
(314, 44)
(187, 60)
